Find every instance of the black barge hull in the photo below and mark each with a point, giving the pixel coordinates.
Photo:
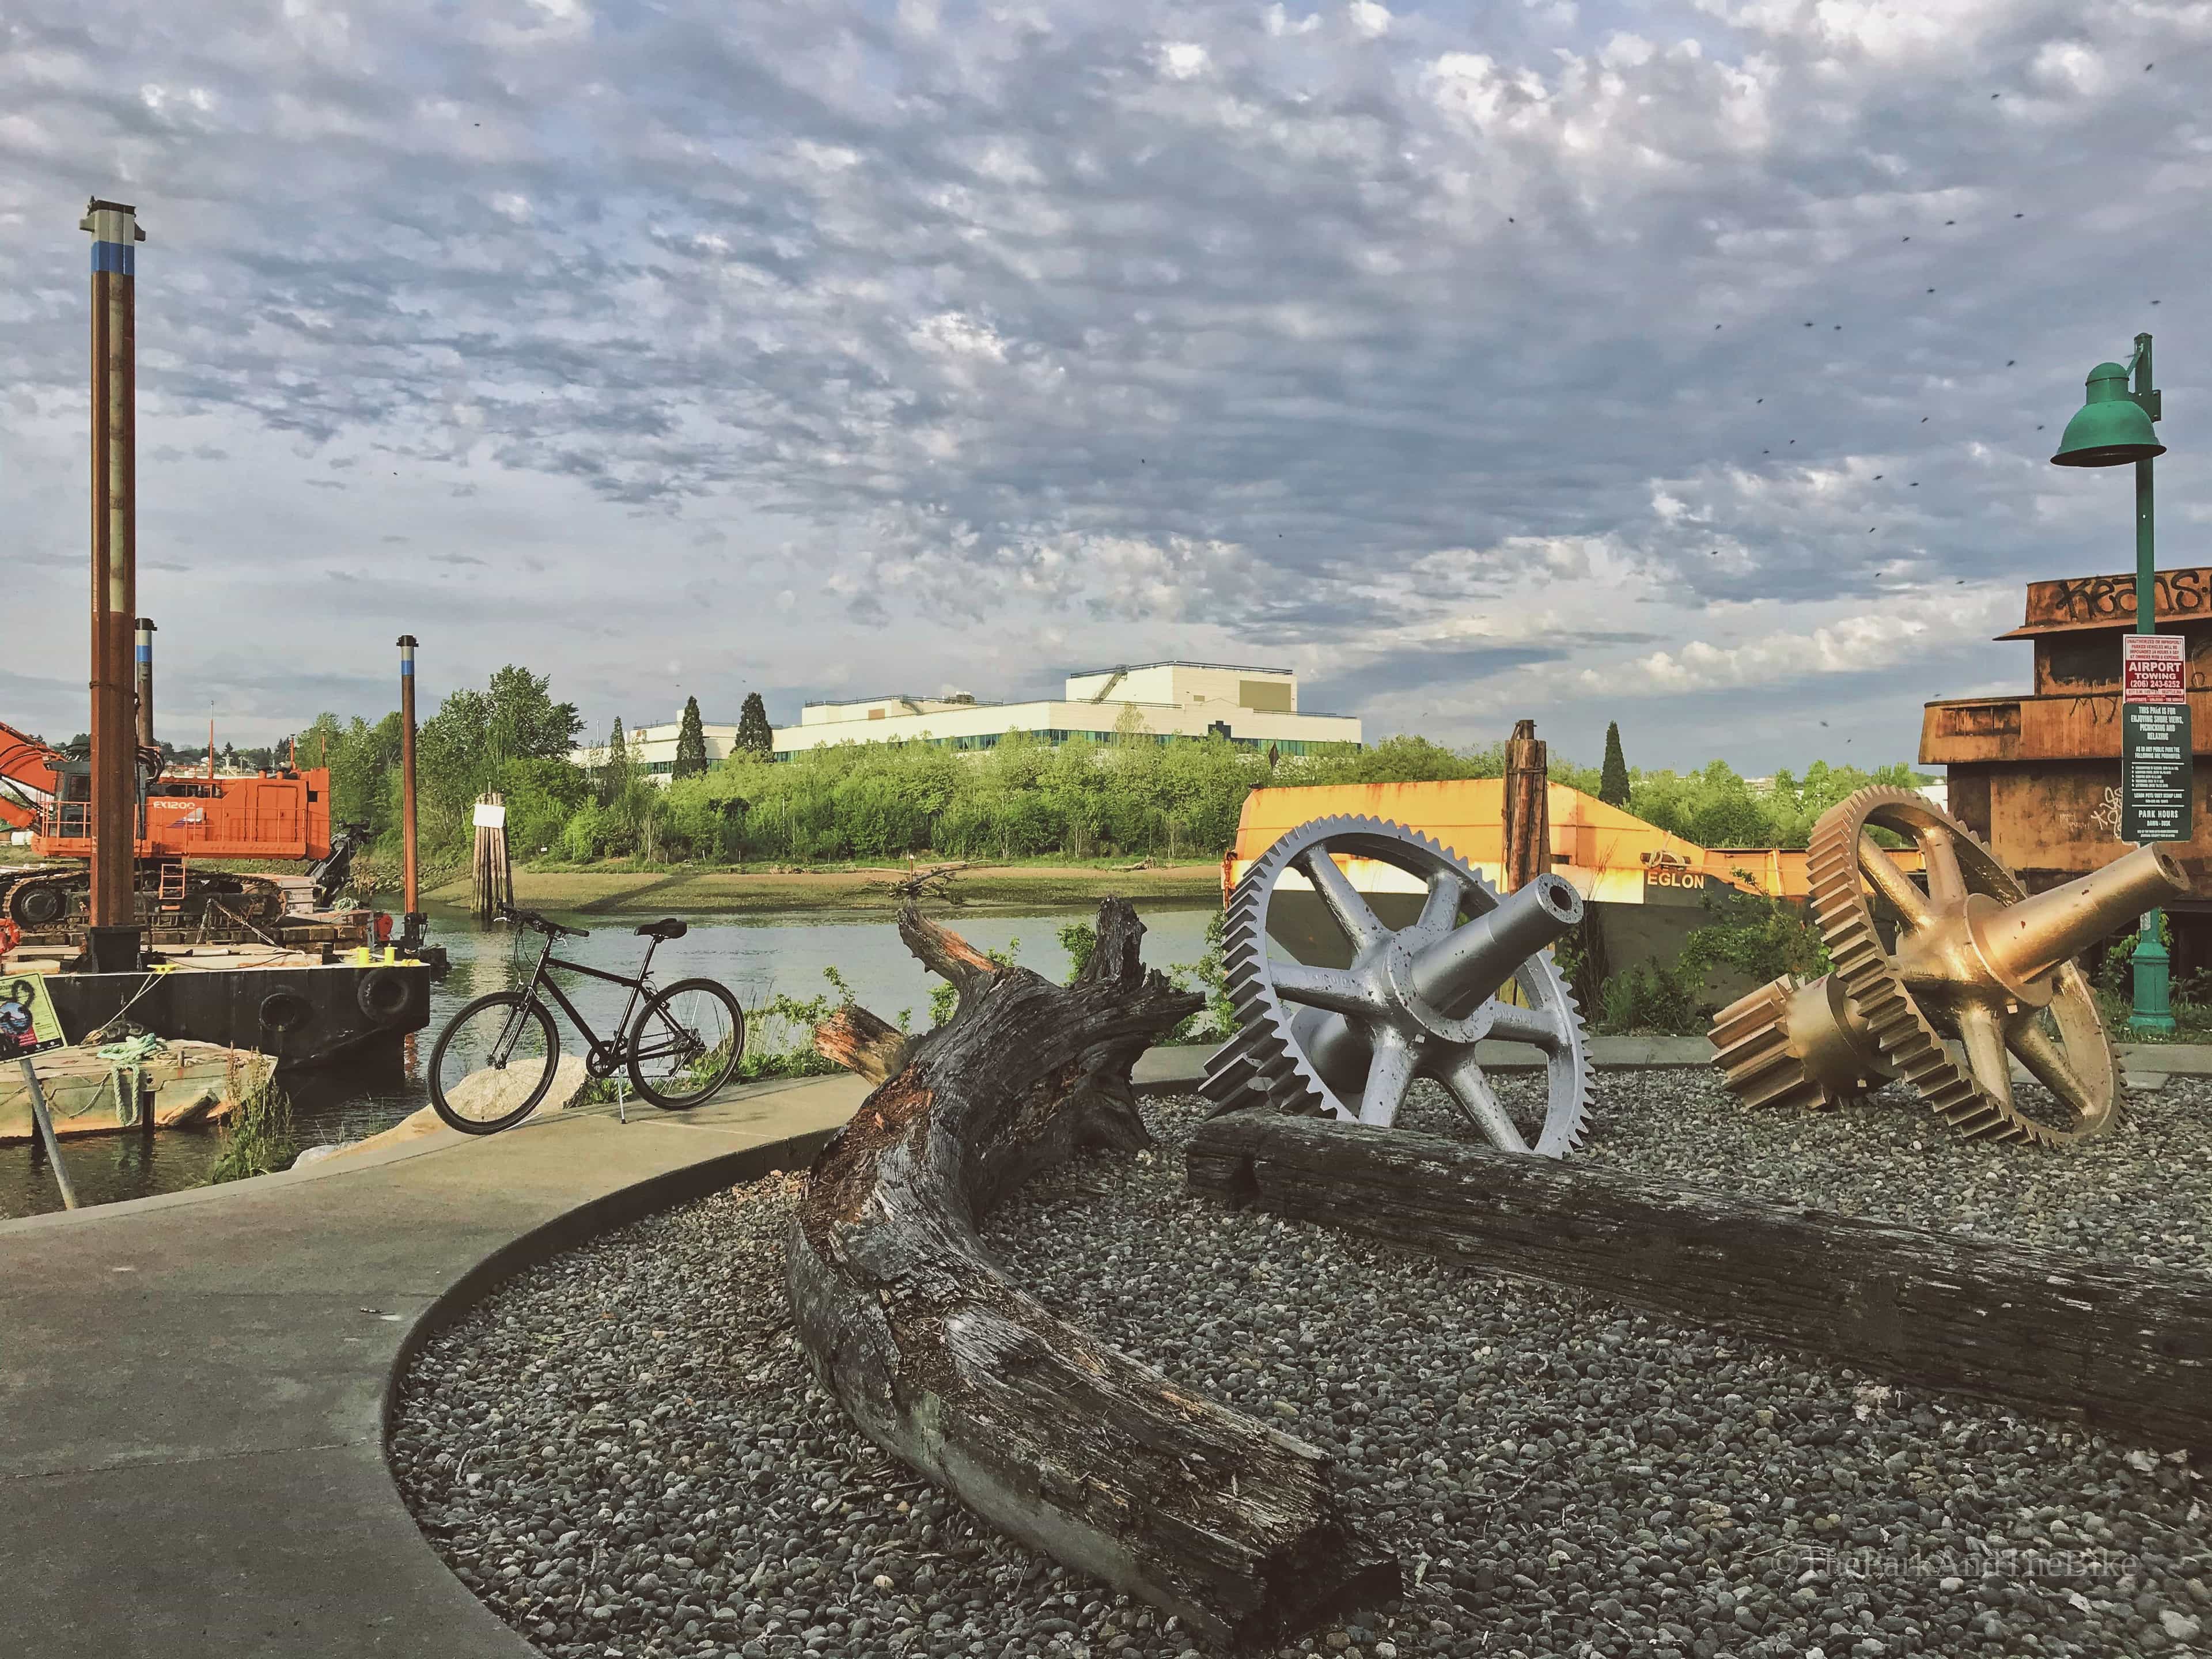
(303, 1015)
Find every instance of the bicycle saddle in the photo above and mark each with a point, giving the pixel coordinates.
(666, 928)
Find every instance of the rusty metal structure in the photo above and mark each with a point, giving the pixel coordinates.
(2037, 776)
(1347, 1042)
(1971, 960)
(113, 939)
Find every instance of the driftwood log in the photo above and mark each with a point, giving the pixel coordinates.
(2126, 1349)
(1052, 1436)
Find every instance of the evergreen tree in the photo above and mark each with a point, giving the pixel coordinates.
(753, 734)
(615, 773)
(690, 742)
(1612, 780)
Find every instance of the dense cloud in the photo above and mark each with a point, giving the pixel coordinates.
(1677, 364)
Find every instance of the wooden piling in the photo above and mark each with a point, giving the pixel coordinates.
(493, 883)
(1527, 807)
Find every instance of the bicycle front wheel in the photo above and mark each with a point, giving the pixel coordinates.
(493, 1064)
(686, 1043)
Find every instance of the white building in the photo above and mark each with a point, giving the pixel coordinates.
(651, 749)
(1254, 708)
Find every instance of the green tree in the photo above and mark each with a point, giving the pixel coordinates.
(617, 773)
(755, 735)
(690, 742)
(1613, 779)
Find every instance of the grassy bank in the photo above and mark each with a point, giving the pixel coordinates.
(723, 892)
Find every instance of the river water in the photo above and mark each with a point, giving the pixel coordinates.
(756, 957)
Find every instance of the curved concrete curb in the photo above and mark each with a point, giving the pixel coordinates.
(197, 1389)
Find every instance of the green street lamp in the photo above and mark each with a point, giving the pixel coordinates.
(2113, 428)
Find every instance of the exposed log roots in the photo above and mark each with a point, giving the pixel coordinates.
(1052, 1436)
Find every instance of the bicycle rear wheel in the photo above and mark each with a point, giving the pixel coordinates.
(493, 1063)
(686, 1043)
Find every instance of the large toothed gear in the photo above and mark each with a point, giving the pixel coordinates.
(1976, 963)
(1348, 1042)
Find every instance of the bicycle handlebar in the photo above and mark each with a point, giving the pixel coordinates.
(532, 918)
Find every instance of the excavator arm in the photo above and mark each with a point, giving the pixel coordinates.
(27, 777)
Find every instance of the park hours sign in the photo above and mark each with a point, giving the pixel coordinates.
(2156, 781)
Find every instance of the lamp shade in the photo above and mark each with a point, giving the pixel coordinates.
(2111, 429)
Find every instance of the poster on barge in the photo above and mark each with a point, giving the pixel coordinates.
(28, 1024)
(2156, 773)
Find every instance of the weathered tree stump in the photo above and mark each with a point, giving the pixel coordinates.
(1052, 1436)
(2126, 1349)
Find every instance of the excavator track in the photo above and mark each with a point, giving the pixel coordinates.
(48, 903)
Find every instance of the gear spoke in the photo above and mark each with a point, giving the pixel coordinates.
(1889, 879)
(1440, 910)
(1946, 884)
(1983, 1038)
(1390, 1075)
(1466, 1085)
(1536, 1026)
(2046, 1062)
(1361, 925)
(1332, 988)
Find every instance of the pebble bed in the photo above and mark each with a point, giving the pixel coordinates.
(624, 1452)
(2142, 1192)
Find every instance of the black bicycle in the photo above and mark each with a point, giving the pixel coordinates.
(494, 1062)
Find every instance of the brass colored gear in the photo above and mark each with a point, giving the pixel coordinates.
(1976, 963)
(1751, 1041)
(1942, 980)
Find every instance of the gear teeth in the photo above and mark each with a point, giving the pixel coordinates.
(1750, 1046)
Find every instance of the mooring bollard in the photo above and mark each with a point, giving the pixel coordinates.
(39, 1116)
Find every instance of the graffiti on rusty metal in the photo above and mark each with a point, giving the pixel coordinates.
(2099, 710)
(2106, 817)
(2102, 599)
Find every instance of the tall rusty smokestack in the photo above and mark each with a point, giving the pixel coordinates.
(411, 904)
(145, 682)
(112, 943)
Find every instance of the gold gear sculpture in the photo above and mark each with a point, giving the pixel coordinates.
(1976, 962)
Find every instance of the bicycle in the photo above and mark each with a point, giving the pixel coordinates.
(494, 1060)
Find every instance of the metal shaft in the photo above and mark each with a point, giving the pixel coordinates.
(46, 1123)
(1465, 968)
(409, 900)
(1468, 965)
(2024, 941)
(145, 667)
(115, 233)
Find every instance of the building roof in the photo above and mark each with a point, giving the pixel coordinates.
(1176, 662)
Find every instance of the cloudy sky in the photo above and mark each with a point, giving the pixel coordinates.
(1694, 365)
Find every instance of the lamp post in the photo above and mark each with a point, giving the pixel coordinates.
(2113, 428)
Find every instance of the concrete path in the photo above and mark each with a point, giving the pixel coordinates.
(192, 1387)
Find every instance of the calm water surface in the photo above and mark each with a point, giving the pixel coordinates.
(757, 958)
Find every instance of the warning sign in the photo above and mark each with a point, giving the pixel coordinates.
(27, 1024)
(2153, 668)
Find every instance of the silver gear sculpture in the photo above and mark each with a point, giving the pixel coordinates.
(1348, 1042)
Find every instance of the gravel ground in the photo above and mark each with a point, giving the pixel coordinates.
(2140, 1192)
(624, 1454)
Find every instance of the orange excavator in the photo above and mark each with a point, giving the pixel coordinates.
(182, 817)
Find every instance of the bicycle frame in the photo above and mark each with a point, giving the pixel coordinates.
(606, 1057)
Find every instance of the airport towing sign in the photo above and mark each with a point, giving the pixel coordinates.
(2156, 777)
